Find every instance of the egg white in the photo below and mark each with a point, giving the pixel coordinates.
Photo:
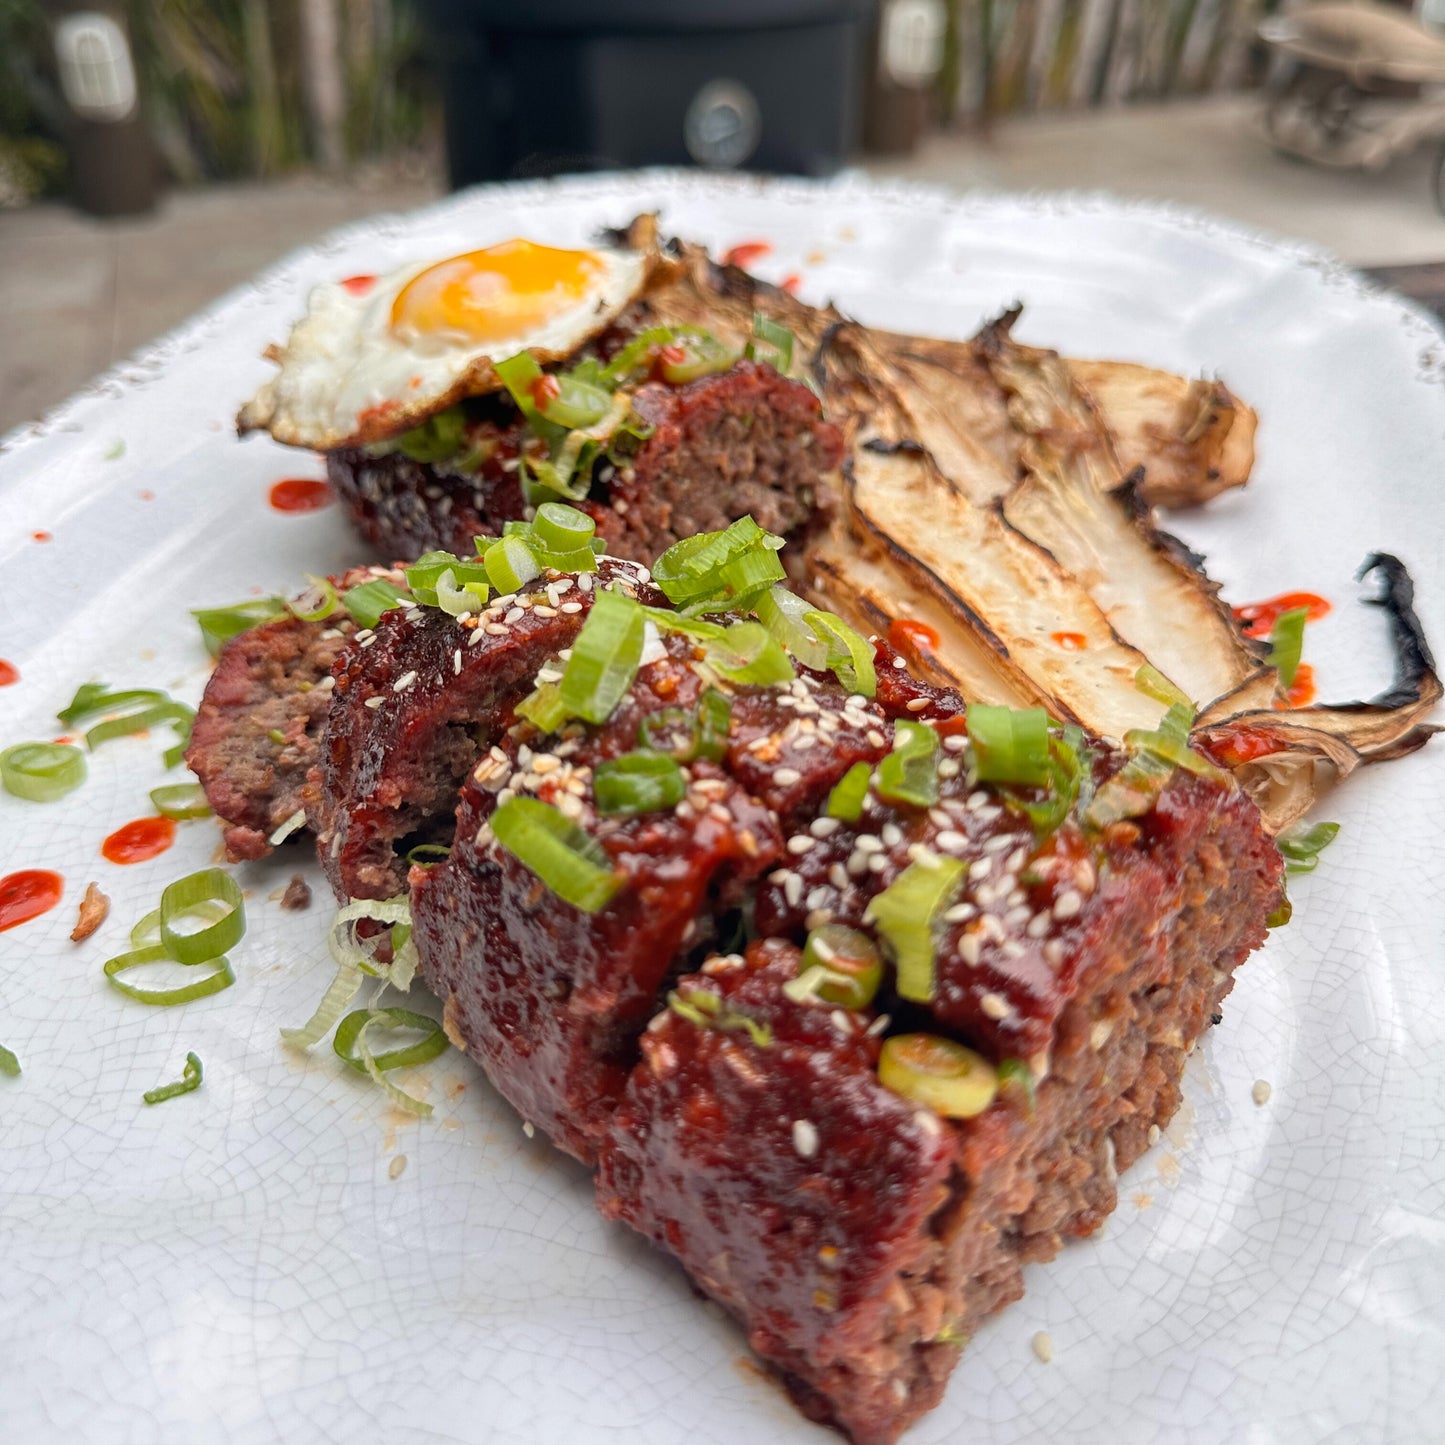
(346, 378)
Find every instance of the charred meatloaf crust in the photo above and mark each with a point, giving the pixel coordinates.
(741, 441)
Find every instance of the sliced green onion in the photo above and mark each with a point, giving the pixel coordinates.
(510, 564)
(776, 343)
(437, 439)
(560, 528)
(334, 1002)
(1131, 792)
(181, 801)
(945, 1076)
(714, 720)
(1282, 914)
(458, 595)
(708, 1011)
(852, 967)
(750, 654)
(189, 1082)
(142, 720)
(690, 571)
(909, 774)
(850, 655)
(1015, 1073)
(905, 914)
(638, 782)
(9, 1064)
(349, 948)
(374, 1065)
(520, 374)
(430, 1046)
(849, 793)
(703, 355)
(1009, 745)
(464, 583)
(189, 900)
(147, 933)
(428, 855)
(1066, 772)
(570, 402)
(1152, 683)
(41, 772)
(219, 624)
(782, 613)
(421, 576)
(1286, 644)
(543, 707)
(574, 866)
(653, 730)
(317, 603)
(581, 559)
(219, 977)
(95, 698)
(748, 575)
(605, 657)
(698, 627)
(367, 602)
(1302, 845)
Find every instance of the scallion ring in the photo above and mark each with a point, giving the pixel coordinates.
(181, 801)
(561, 528)
(192, 900)
(849, 793)
(749, 653)
(317, 602)
(1010, 745)
(430, 1046)
(367, 602)
(1286, 644)
(546, 842)
(605, 657)
(219, 977)
(9, 1064)
(776, 343)
(641, 781)
(334, 1002)
(1302, 844)
(945, 1076)
(371, 1064)
(188, 1083)
(42, 772)
(851, 964)
(350, 949)
(510, 564)
(220, 624)
(909, 774)
(850, 655)
(905, 914)
(783, 613)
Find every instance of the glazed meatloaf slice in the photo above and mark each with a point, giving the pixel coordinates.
(255, 734)
(860, 1239)
(744, 440)
(551, 999)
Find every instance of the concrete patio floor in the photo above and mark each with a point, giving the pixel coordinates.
(78, 294)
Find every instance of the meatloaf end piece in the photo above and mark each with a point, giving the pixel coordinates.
(745, 440)
(256, 730)
(415, 703)
(746, 1155)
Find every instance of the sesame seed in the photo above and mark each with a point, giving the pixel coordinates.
(820, 897)
(1261, 1092)
(367, 641)
(939, 818)
(1038, 925)
(951, 841)
(868, 844)
(879, 1024)
(1054, 952)
(803, 743)
(779, 876)
(891, 834)
(838, 876)
(793, 890)
(584, 582)
(477, 636)
(1017, 916)
(495, 629)
(570, 607)
(928, 1122)
(998, 844)
(876, 738)
(786, 777)
(542, 611)
(899, 662)
(457, 660)
(959, 913)
(975, 800)
(527, 1128)
(326, 684)
(948, 768)
(995, 1005)
(1153, 1134)
(923, 855)
(374, 702)
(805, 1138)
(1068, 904)
(818, 918)
(970, 949)
(824, 827)
(979, 869)
(569, 806)
(799, 844)
(842, 1021)
(916, 704)
(990, 927)
(403, 682)
(546, 763)
(1017, 859)
(1043, 1346)
(877, 863)
(955, 744)
(514, 614)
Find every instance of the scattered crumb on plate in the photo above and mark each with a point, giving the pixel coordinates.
(94, 910)
(396, 1168)
(1043, 1344)
(1261, 1091)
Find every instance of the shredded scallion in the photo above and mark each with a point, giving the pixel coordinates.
(1302, 844)
(849, 793)
(192, 900)
(181, 801)
(1010, 745)
(905, 914)
(220, 624)
(548, 843)
(641, 781)
(1286, 644)
(188, 1083)
(605, 657)
(909, 774)
(9, 1064)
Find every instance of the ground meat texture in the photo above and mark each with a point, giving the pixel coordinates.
(415, 704)
(700, 1161)
(256, 730)
(745, 440)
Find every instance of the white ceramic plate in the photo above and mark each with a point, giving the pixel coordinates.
(240, 1265)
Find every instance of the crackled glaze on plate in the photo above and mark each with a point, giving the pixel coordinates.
(240, 1265)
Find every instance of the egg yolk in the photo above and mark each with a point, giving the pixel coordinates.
(497, 294)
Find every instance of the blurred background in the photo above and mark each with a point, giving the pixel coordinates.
(155, 153)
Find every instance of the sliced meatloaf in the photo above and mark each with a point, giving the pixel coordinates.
(255, 733)
(745, 440)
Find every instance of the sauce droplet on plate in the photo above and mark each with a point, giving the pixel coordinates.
(135, 842)
(1302, 691)
(1070, 641)
(746, 252)
(42, 536)
(1259, 617)
(359, 285)
(300, 494)
(9, 673)
(27, 894)
(909, 636)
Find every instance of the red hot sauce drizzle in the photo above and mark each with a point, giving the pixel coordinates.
(915, 638)
(1259, 618)
(746, 252)
(300, 494)
(9, 673)
(27, 894)
(135, 842)
(359, 285)
(1302, 691)
(1070, 641)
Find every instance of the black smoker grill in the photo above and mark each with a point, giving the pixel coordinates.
(546, 86)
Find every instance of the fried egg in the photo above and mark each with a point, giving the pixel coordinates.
(377, 355)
